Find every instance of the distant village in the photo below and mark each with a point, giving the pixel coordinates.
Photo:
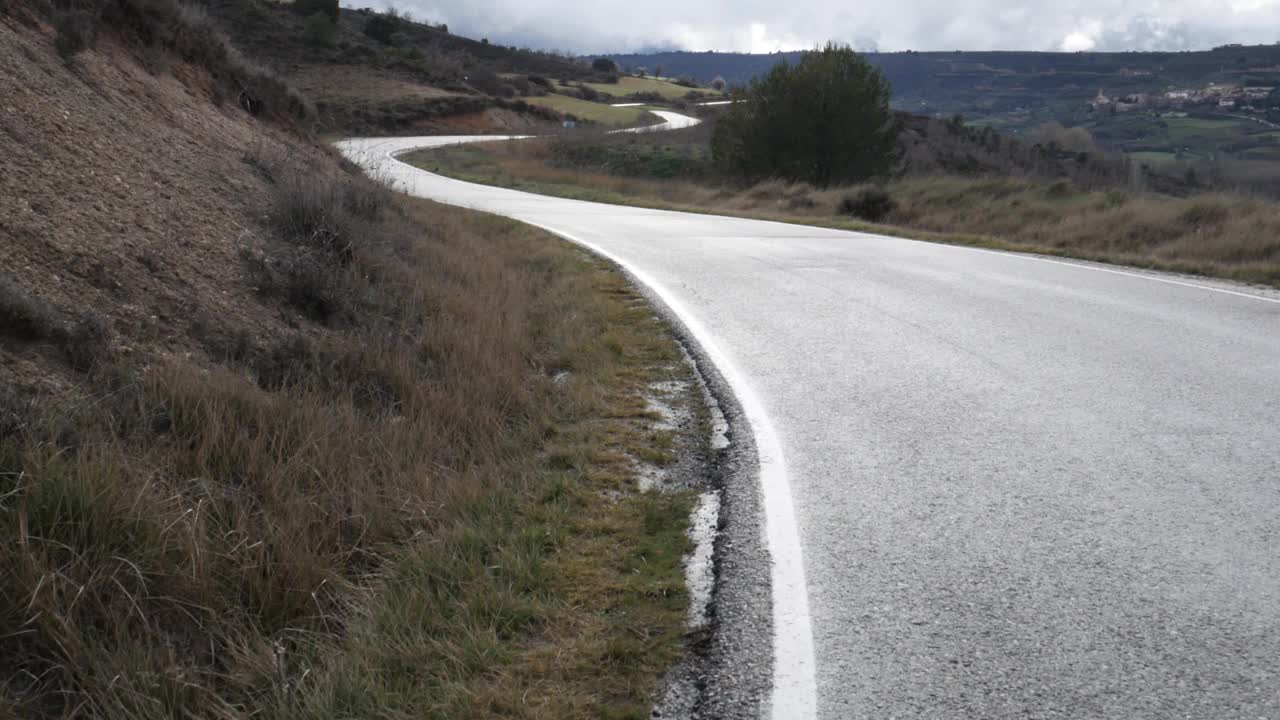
(1176, 101)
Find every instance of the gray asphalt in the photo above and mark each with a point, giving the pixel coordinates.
(1023, 487)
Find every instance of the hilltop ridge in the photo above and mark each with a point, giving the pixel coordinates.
(991, 84)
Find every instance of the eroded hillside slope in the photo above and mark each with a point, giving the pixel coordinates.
(275, 442)
(126, 200)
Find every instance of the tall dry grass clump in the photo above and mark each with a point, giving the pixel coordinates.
(1223, 234)
(199, 537)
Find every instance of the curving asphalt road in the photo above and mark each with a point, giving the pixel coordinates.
(1022, 487)
(670, 121)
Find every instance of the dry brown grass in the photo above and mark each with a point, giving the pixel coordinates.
(1221, 234)
(405, 518)
(274, 443)
(1226, 235)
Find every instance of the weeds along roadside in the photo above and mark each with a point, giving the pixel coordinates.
(427, 509)
(1234, 236)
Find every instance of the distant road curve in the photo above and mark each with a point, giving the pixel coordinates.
(670, 121)
(993, 484)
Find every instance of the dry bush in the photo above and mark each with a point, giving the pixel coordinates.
(934, 147)
(871, 204)
(485, 80)
(331, 220)
(1076, 139)
(22, 316)
(84, 345)
(76, 27)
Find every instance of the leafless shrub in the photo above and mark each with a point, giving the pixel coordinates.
(77, 27)
(23, 316)
(85, 345)
(872, 204)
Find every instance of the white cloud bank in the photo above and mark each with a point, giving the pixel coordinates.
(764, 26)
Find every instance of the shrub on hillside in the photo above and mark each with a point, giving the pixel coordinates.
(76, 28)
(310, 211)
(485, 80)
(319, 29)
(823, 120)
(85, 346)
(647, 97)
(1207, 212)
(25, 318)
(22, 316)
(328, 8)
(1060, 189)
(382, 26)
(1077, 139)
(870, 204)
(334, 223)
(315, 289)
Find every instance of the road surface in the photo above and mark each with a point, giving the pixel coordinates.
(670, 121)
(1021, 487)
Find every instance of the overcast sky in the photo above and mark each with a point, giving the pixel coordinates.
(602, 26)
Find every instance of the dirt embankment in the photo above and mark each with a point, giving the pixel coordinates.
(126, 197)
(276, 442)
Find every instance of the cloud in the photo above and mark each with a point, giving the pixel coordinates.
(1083, 39)
(603, 26)
(1078, 42)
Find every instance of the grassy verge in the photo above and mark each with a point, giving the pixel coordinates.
(1221, 235)
(421, 503)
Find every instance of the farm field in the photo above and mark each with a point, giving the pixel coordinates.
(594, 112)
(628, 85)
(1156, 139)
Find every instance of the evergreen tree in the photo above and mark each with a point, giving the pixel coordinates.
(824, 120)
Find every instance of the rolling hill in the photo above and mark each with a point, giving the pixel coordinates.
(1006, 85)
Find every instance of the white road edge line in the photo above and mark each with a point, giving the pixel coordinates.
(1085, 265)
(794, 693)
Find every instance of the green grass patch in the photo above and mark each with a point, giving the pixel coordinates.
(628, 85)
(1153, 157)
(602, 113)
(1184, 130)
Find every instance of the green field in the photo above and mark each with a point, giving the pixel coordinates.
(1159, 140)
(627, 85)
(594, 112)
(1267, 153)
(1183, 129)
(1152, 157)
